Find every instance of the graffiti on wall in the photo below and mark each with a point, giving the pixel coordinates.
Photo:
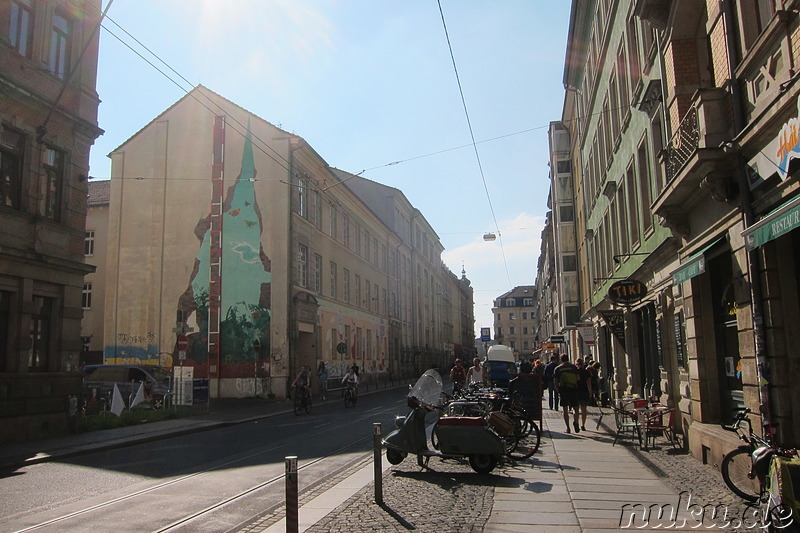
(364, 342)
(245, 279)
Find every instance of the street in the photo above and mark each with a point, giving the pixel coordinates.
(225, 477)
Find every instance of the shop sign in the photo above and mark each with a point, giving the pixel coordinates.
(586, 330)
(779, 222)
(627, 292)
(616, 323)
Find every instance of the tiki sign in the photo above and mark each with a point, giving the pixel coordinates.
(627, 292)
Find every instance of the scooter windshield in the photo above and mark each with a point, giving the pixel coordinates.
(428, 389)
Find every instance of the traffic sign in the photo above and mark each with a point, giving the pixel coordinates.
(183, 342)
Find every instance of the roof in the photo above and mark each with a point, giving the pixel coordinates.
(197, 93)
(99, 192)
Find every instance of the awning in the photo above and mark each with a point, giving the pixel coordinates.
(779, 222)
(693, 266)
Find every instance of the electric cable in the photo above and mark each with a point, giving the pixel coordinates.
(474, 145)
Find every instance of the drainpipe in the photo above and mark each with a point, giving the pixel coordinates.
(746, 207)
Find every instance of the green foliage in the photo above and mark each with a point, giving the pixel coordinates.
(133, 417)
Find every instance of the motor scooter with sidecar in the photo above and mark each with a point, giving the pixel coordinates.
(457, 436)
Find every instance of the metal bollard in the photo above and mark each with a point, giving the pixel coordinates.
(291, 495)
(378, 449)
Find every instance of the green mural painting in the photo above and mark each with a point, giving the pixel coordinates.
(245, 280)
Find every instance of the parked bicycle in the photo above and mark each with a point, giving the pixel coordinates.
(302, 400)
(745, 469)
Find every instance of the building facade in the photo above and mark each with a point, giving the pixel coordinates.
(48, 122)
(682, 121)
(514, 320)
(239, 236)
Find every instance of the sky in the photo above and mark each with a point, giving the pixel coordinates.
(371, 86)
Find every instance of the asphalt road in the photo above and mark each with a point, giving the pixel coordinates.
(225, 476)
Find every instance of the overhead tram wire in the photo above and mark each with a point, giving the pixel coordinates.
(474, 144)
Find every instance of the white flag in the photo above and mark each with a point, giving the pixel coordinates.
(139, 398)
(117, 403)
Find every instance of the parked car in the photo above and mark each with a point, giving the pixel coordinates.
(99, 381)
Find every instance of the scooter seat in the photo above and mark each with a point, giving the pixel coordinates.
(462, 421)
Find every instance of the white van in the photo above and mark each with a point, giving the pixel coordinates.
(501, 365)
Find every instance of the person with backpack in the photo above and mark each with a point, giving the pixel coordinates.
(565, 378)
(458, 375)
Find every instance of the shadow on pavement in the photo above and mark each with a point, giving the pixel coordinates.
(400, 520)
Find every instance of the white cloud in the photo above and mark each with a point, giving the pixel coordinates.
(489, 266)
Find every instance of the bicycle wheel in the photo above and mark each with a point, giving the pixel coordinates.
(735, 470)
(348, 398)
(298, 402)
(527, 444)
(307, 402)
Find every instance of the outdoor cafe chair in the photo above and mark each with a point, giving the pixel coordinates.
(627, 421)
(654, 424)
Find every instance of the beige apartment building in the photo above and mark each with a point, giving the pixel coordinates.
(514, 320)
(48, 123)
(238, 235)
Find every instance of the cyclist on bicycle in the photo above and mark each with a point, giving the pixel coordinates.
(303, 381)
(350, 381)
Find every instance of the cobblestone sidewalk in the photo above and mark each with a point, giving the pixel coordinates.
(447, 498)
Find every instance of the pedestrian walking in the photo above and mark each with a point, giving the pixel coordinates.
(565, 378)
(526, 390)
(549, 370)
(458, 375)
(322, 376)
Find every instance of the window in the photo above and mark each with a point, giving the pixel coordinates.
(41, 322)
(368, 294)
(302, 202)
(332, 284)
(563, 166)
(510, 302)
(52, 182)
(88, 243)
(358, 240)
(302, 265)
(357, 283)
(346, 231)
(317, 273)
(346, 285)
(525, 330)
(569, 262)
(524, 316)
(566, 213)
(367, 247)
(511, 316)
(646, 187)
(86, 296)
(317, 207)
(632, 202)
(59, 46)
(528, 301)
(5, 314)
(511, 330)
(332, 229)
(499, 332)
(20, 30)
(11, 152)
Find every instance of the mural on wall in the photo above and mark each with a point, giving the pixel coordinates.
(245, 276)
(365, 343)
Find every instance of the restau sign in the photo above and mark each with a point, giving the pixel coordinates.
(627, 292)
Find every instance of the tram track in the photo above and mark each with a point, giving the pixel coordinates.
(315, 470)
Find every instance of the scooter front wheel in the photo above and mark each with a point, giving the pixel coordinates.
(482, 463)
(394, 457)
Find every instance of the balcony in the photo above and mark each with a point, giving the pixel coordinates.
(695, 158)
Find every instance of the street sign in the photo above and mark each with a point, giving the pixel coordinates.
(486, 334)
(183, 342)
(557, 339)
